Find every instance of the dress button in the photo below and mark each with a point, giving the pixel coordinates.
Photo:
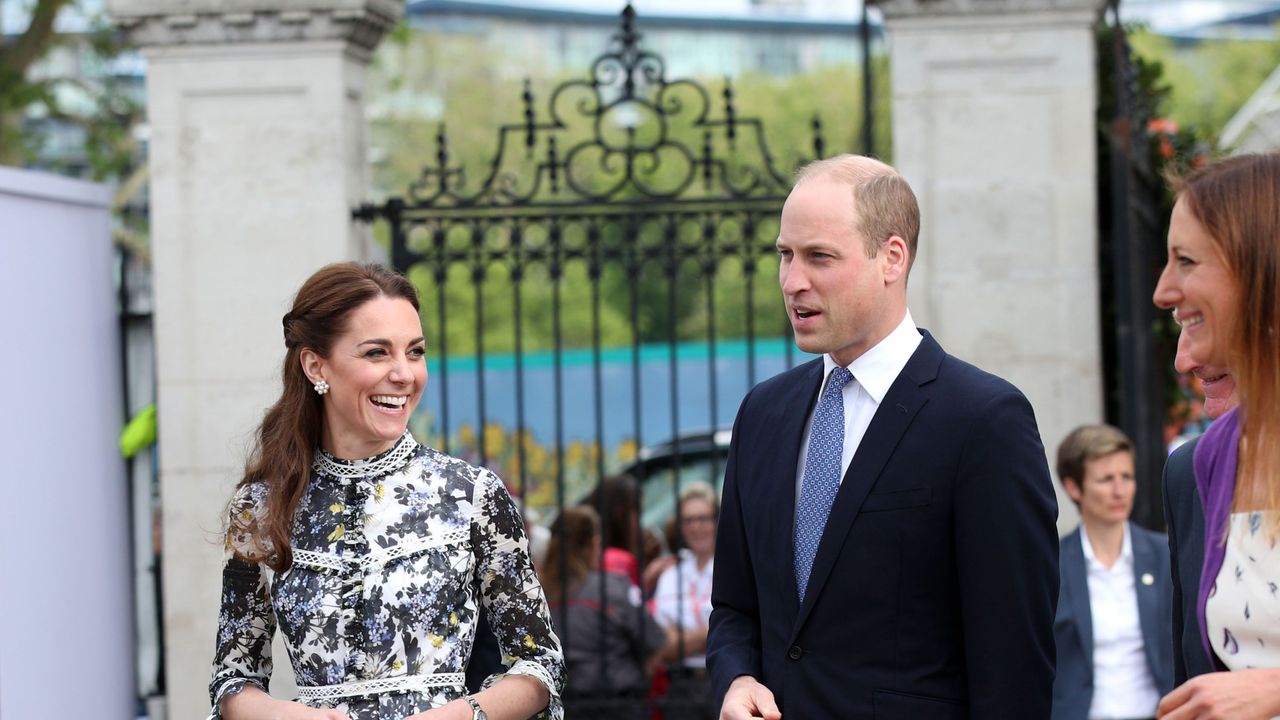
(795, 652)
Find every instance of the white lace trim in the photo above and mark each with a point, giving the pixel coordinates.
(377, 559)
(382, 685)
(360, 469)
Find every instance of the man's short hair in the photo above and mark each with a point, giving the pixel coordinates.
(883, 202)
(1085, 443)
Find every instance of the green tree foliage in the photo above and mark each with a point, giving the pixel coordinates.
(48, 78)
(1210, 81)
(428, 83)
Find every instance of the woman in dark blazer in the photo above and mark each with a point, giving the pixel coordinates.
(1114, 655)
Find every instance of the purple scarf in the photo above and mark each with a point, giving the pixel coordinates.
(1215, 470)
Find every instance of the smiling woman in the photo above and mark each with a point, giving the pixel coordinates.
(374, 555)
(1222, 282)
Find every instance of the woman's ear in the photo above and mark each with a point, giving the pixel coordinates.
(1073, 489)
(312, 364)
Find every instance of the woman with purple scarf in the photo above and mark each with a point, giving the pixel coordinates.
(1222, 282)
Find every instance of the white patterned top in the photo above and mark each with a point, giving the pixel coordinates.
(1243, 611)
(394, 557)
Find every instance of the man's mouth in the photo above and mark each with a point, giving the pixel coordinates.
(804, 314)
(1210, 377)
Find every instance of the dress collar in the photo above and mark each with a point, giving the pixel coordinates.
(380, 464)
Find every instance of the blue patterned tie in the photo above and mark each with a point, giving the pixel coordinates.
(821, 474)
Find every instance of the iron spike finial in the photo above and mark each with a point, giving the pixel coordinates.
(442, 147)
(529, 131)
(819, 144)
(628, 37)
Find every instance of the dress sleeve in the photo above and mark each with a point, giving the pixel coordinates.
(246, 622)
(511, 594)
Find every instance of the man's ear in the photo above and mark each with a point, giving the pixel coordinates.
(896, 258)
(1073, 489)
(312, 364)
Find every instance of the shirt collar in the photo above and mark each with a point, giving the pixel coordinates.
(1126, 548)
(876, 369)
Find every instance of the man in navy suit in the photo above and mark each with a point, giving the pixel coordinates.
(1115, 651)
(887, 546)
(1184, 516)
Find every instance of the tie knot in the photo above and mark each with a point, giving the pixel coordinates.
(840, 376)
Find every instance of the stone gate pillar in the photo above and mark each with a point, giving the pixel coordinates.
(994, 126)
(257, 155)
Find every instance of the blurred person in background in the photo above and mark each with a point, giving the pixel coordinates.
(610, 638)
(1111, 631)
(1184, 518)
(617, 500)
(1222, 282)
(374, 555)
(683, 598)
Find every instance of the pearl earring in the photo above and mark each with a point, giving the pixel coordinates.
(321, 387)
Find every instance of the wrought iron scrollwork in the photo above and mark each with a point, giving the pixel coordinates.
(622, 133)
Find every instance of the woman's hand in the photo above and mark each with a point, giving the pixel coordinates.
(1237, 695)
(456, 710)
(253, 704)
(298, 711)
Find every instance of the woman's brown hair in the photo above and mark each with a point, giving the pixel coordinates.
(289, 435)
(1237, 200)
(617, 500)
(571, 552)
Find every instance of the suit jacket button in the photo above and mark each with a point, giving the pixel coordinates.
(795, 652)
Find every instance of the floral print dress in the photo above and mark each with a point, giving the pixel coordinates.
(393, 557)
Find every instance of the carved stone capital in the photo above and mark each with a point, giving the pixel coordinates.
(160, 23)
(907, 9)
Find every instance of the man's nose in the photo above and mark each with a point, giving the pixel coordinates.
(794, 278)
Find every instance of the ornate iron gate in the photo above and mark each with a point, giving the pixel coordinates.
(618, 238)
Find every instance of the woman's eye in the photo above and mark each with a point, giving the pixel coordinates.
(375, 353)
(417, 352)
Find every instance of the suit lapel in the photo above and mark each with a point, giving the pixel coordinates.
(905, 398)
(1075, 577)
(788, 420)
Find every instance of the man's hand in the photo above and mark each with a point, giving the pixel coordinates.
(1238, 695)
(746, 699)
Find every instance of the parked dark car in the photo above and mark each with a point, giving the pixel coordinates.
(693, 457)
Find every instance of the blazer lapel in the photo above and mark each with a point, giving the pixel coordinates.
(1145, 563)
(1075, 577)
(905, 398)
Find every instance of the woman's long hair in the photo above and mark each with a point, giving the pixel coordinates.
(289, 435)
(617, 500)
(571, 552)
(1237, 200)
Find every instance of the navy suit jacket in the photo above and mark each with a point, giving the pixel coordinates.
(933, 589)
(1073, 628)
(1184, 516)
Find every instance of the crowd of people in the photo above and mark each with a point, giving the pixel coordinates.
(884, 546)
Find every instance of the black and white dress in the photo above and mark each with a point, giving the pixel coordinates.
(393, 559)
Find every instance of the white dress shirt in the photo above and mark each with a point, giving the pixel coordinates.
(873, 372)
(1122, 682)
